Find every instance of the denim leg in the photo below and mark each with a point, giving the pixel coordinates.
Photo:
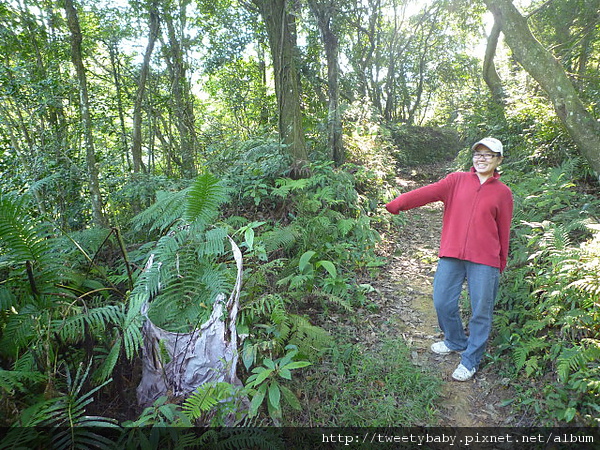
(447, 286)
(483, 287)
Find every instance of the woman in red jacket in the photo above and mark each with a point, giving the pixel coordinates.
(474, 246)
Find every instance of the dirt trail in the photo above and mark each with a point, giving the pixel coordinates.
(405, 288)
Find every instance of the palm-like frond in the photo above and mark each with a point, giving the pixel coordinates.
(20, 329)
(204, 199)
(65, 416)
(281, 237)
(167, 210)
(71, 328)
(577, 357)
(21, 237)
(182, 275)
(205, 398)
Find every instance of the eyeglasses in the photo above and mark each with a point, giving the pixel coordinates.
(486, 156)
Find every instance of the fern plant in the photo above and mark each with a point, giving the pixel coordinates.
(52, 309)
(63, 420)
(554, 325)
(187, 267)
(268, 328)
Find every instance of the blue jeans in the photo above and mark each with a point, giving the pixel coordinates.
(482, 283)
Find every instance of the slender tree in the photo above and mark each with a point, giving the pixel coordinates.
(153, 33)
(92, 167)
(174, 51)
(326, 13)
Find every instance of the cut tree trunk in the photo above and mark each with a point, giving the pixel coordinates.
(176, 364)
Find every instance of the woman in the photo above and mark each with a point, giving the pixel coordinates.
(474, 246)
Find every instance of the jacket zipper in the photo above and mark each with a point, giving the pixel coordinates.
(470, 222)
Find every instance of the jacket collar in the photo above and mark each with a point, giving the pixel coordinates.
(494, 177)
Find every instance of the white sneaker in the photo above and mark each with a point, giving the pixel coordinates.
(440, 348)
(463, 374)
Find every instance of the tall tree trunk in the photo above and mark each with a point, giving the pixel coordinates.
(262, 67)
(324, 12)
(90, 155)
(114, 61)
(490, 75)
(181, 90)
(547, 71)
(136, 145)
(280, 23)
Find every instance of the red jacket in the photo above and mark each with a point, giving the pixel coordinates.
(477, 217)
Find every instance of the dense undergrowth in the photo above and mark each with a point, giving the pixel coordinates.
(69, 305)
(548, 318)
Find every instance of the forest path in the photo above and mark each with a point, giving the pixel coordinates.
(405, 288)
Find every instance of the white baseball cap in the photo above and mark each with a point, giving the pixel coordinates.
(492, 143)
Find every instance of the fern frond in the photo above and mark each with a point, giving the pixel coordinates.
(7, 299)
(577, 357)
(243, 437)
(20, 329)
(311, 340)
(283, 237)
(345, 226)
(22, 238)
(73, 328)
(204, 199)
(335, 299)
(49, 181)
(520, 356)
(205, 398)
(524, 348)
(287, 185)
(167, 210)
(589, 284)
(104, 372)
(214, 244)
(14, 380)
(189, 287)
(262, 307)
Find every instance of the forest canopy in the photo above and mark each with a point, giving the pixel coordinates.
(144, 129)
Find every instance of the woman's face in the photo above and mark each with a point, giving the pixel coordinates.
(485, 161)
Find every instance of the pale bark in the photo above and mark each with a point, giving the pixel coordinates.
(547, 71)
(177, 364)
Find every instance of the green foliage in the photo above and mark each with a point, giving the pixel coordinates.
(54, 304)
(67, 415)
(269, 328)
(204, 400)
(548, 319)
(259, 162)
(255, 438)
(163, 423)
(335, 225)
(379, 387)
(160, 414)
(422, 145)
(265, 384)
(184, 273)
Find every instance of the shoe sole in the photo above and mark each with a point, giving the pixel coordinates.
(462, 379)
(460, 352)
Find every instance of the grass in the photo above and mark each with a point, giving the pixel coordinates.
(373, 387)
